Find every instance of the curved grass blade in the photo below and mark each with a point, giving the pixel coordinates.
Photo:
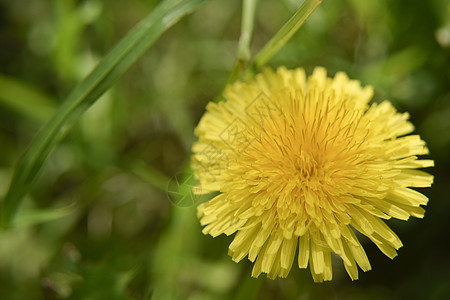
(114, 64)
(285, 33)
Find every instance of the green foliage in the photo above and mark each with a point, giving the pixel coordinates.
(87, 92)
(89, 206)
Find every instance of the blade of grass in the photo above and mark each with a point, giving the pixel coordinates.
(285, 33)
(25, 99)
(150, 175)
(114, 64)
(272, 47)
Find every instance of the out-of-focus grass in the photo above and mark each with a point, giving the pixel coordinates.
(119, 236)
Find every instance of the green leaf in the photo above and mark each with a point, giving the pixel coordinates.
(114, 64)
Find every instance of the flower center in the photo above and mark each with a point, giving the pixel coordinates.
(306, 166)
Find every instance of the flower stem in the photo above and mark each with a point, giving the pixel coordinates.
(244, 54)
(285, 33)
(248, 17)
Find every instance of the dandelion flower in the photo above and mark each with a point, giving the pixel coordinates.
(300, 164)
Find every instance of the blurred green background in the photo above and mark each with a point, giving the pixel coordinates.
(98, 223)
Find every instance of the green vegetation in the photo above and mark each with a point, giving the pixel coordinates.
(90, 162)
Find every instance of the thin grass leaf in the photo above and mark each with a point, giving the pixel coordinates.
(148, 174)
(285, 33)
(114, 64)
(43, 215)
(25, 100)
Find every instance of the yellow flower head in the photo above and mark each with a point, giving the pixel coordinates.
(302, 163)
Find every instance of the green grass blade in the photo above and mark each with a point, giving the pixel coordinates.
(272, 47)
(285, 33)
(25, 99)
(114, 64)
(148, 174)
(43, 215)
